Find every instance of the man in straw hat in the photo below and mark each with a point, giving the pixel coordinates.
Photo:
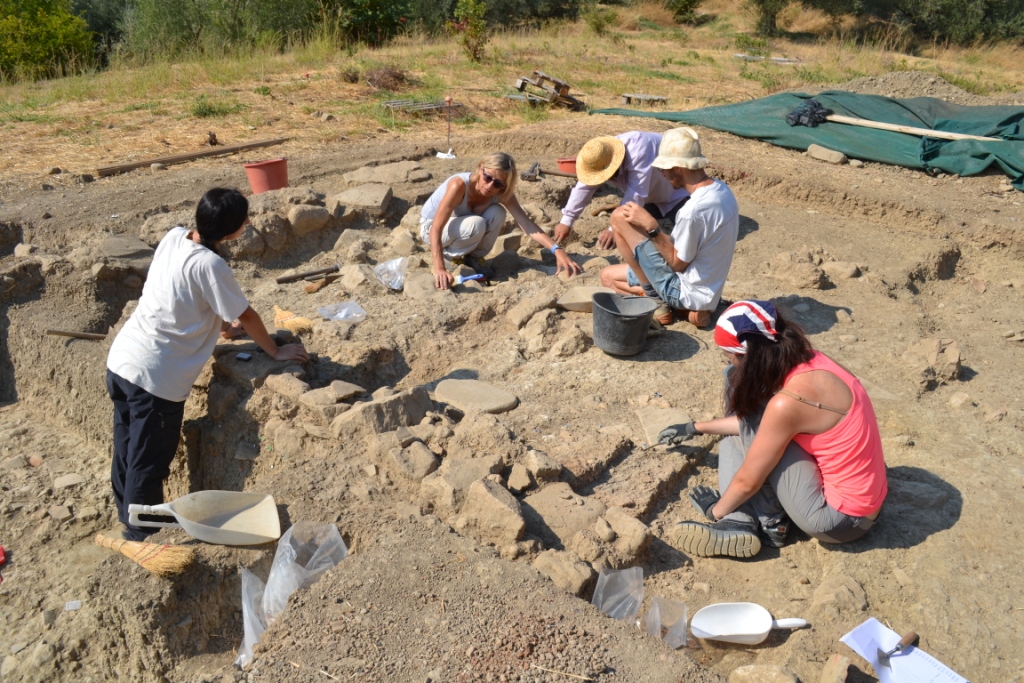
(625, 162)
(686, 271)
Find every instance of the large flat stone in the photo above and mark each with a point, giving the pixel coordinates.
(555, 514)
(305, 219)
(491, 514)
(128, 248)
(387, 174)
(580, 298)
(371, 199)
(446, 488)
(654, 420)
(587, 458)
(566, 570)
(637, 482)
(68, 480)
(386, 415)
(471, 395)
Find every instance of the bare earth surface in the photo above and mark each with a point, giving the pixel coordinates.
(871, 261)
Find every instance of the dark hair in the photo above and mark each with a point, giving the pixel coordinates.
(221, 212)
(764, 367)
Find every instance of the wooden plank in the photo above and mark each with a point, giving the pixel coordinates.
(910, 130)
(189, 156)
(77, 335)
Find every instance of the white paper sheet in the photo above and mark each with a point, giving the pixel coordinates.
(910, 666)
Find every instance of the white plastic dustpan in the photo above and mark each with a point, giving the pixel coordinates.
(221, 517)
(738, 622)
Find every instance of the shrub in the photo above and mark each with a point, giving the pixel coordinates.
(372, 21)
(767, 15)
(600, 19)
(40, 38)
(472, 27)
(683, 11)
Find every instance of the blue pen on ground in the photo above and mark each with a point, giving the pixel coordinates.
(459, 279)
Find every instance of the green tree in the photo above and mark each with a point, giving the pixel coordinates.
(471, 25)
(40, 38)
(768, 15)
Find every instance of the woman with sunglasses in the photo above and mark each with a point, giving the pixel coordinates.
(463, 218)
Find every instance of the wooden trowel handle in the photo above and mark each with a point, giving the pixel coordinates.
(906, 641)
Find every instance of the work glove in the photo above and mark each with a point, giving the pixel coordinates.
(677, 434)
(704, 499)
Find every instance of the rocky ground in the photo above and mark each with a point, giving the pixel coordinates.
(476, 537)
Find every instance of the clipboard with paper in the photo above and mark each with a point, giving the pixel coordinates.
(871, 639)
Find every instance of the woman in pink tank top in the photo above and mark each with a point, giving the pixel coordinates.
(802, 443)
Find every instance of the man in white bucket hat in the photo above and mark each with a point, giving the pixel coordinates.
(623, 161)
(686, 271)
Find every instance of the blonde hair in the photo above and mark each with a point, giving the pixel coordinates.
(499, 161)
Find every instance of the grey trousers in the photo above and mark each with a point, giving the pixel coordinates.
(473, 235)
(793, 488)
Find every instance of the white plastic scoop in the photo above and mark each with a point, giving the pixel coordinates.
(738, 622)
(221, 517)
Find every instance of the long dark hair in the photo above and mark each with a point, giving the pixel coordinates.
(221, 212)
(765, 366)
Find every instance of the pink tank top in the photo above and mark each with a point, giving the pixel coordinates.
(850, 454)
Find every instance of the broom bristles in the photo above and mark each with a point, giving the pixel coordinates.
(163, 559)
(297, 324)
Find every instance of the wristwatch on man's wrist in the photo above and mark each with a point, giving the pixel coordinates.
(651, 234)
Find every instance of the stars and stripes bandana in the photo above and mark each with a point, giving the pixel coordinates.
(745, 317)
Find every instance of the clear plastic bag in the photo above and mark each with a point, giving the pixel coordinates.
(392, 273)
(619, 592)
(345, 311)
(304, 554)
(667, 618)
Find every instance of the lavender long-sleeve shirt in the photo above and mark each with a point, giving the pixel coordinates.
(639, 181)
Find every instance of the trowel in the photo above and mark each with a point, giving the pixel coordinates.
(905, 642)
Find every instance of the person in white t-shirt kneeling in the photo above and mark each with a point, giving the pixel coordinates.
(686, 271)
(189, 300)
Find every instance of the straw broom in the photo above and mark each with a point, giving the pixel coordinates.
(287, 319)
(162, 559)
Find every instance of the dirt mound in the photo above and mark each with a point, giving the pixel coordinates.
(907, 84)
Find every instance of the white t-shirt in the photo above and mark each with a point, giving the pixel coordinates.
(170, 336)
(705, 236)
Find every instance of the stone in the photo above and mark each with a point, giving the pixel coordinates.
(802, 308)
(13, 463)
(553, 515)
(604, 530)
(413, 463)
(654, 420)
(519, 479)
(288, 441)
(508, 242)
(843, 591)
(246, 451)
(506, 263)
(319, 397)
(491, 515)
(543, 467)
(404, 437)
(446, 488)
(537, 331)
(762, 673)
(841, 270)
(326, 118)
(88, 513)
(55, 170)
(404, 244)
(127, 248)
(383, 392)
(250, 244)
(848, 338)
(385, 415)
(371, 199)
(835, 669)
(633, 537)
(287, 385)
(932, 362)
(960, 399)
(273, 228)
(522, 312)
(566, 570)
(279, 200)
(354, 276)
(61, 513)
(798, 270)
(358, 251)
(24, 250)
(824, 154)
(305, 219)
(419, 286)
(470, 395)
(133, 281)
(588, 457)
(345, 390)
(157, 166)
(67, 481)
(387, 174)
(580, 298)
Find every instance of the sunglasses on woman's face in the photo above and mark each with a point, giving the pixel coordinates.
(491, 180)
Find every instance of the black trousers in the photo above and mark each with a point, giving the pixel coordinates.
(146, 433)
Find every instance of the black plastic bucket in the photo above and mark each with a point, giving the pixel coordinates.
(621, 322)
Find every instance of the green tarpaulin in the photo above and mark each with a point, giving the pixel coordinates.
(765, 119)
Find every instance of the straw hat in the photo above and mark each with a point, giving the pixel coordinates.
(680, 148)
(599, 159)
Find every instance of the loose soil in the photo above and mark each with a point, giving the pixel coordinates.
(416, 601)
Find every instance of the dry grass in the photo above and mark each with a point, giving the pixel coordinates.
(130, 113)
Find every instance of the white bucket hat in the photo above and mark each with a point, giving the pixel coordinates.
(680, 148)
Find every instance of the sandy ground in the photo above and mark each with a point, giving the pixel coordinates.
(416, 601)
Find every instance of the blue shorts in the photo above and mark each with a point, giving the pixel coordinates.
(658, 272)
